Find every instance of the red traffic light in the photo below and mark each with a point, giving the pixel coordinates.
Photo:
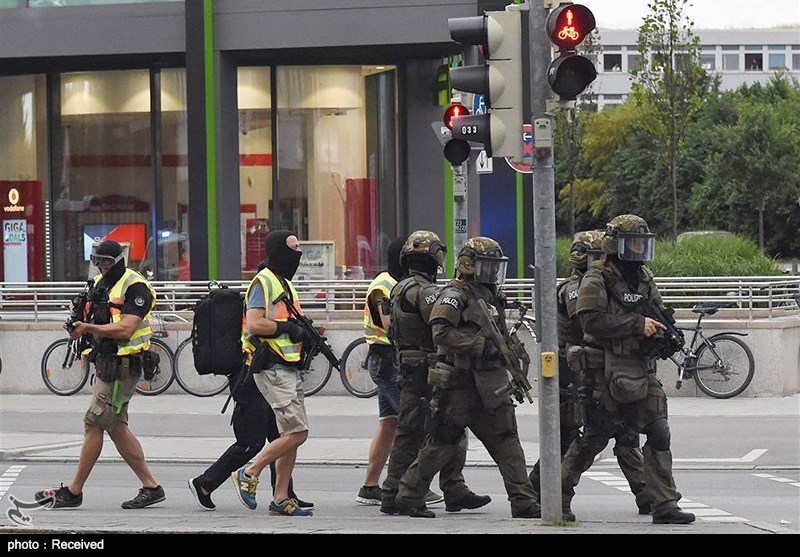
(569, 24)
(454, 111)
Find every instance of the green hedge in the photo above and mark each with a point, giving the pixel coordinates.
(701, 256)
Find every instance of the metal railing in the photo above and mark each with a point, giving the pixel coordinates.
(343, 300)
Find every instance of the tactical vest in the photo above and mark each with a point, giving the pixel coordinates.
(374, 332)
(622, 300)
(412, 301)
(569, 327)
(276, 310)
(140, 339)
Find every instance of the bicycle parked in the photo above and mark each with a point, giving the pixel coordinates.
(722, 364)
(353, 372)
(66, 368)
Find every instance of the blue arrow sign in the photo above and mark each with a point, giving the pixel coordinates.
(527, 137)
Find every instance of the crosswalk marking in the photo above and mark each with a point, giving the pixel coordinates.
(778, 479)
(8, 478)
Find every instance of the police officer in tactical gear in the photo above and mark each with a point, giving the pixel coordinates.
(412, 300)
(575, 385)
(470, 384)
(616, 335)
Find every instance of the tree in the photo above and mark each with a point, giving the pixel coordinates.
(669, 83)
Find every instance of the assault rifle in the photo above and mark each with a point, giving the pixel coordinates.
(665, 343)
(319, 344)
(80, 306)
(516, 358)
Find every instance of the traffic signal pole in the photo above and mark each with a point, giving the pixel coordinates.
(544, 222)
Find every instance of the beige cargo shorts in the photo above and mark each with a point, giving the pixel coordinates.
(100, 412)
(282, 388)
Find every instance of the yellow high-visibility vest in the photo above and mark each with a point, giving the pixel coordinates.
(374, 332)
(277, 311)
(140, 340)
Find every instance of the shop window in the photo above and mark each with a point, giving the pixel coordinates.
(336, 157)
(61, 3)
(103, 161)
(9, 4)
(25, 250)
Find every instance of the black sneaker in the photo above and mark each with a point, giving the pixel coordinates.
(369, 495)
(62, 498)
(300, 503)
(469, 501)
(674, 516)
(202, 499)
(147, 496)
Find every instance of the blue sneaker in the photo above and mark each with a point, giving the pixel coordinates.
(245, 488)
(288, 507)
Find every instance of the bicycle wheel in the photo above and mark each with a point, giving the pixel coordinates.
(191, 381)
(64, 372)
(165, 374)
(317, 375)
(725, 366)
(353, 370)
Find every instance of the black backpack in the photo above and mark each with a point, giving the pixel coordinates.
(217, 331)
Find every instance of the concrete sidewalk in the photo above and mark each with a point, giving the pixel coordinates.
(352, 448)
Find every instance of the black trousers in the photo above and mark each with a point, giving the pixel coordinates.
(253, 425)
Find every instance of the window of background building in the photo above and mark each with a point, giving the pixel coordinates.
(731, 58)
(753, 62)
(777, 61)
(633, 61)
(612, 62)
(796, 61)
(24, 187)
(708, 58)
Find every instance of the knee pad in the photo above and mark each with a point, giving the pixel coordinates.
(626, 440)
(658, 435)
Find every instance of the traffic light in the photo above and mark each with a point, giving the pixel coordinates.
(456, 151)
(499, 80)
(570, 73)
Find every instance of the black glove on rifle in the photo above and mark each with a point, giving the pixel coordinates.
(296, 332)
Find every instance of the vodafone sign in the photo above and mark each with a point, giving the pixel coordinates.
(13, 199)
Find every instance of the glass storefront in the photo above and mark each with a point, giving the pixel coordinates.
(317, 155)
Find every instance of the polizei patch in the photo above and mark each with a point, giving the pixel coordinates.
(631, 298)
(451, 302)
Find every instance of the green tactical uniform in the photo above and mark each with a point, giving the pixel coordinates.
(412, 301)
(470, 400)
(607, 308)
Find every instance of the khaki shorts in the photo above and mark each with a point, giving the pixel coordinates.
(283, 391)
(100, 412)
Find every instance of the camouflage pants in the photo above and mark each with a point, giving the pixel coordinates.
(410, 437)
(496, 429)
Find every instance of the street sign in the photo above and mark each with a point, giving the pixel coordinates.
(483, 164)
(478, 104)
(526, 166)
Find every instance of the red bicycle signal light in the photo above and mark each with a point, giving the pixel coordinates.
(454, 111)
(569, 24)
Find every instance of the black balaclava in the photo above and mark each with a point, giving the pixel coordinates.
(111, 248)
(393, 266)
(282, 259)
(629, 270)
(422, 263)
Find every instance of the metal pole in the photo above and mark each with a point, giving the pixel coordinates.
(460, 209)
(544, 219)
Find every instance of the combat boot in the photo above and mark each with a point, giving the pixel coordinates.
(566, 513)
(673, 516)
(468, 501)
(533, 511)
(414, 510)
